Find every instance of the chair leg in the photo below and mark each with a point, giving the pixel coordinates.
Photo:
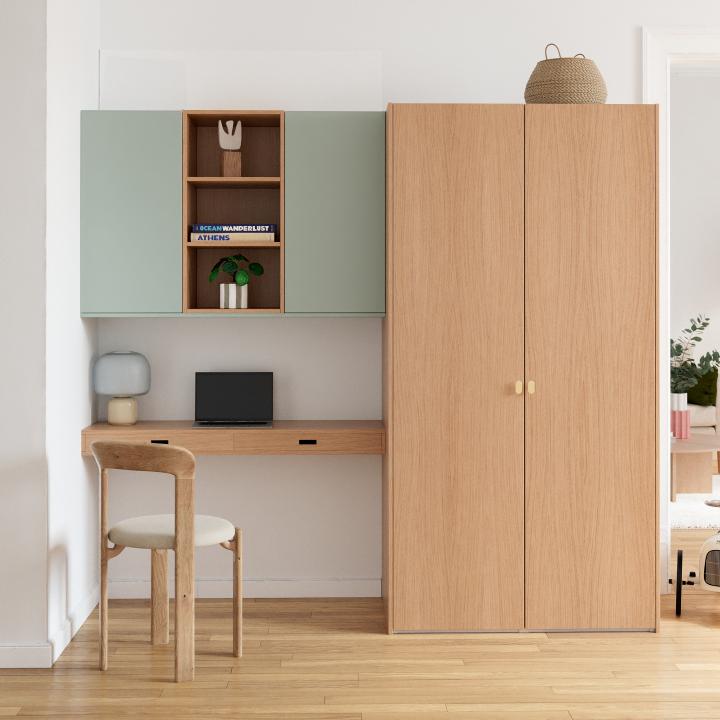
(103, 608)
(160, 601)
(237, 593)
(184, 617)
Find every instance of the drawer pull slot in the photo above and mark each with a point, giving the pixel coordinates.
(307, 442)
(159, 442)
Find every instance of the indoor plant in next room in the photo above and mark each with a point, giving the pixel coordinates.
(234, 294)
(686, 372)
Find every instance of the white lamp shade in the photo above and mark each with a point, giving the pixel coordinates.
(122, 374)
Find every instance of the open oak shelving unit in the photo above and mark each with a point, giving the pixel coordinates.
(256, 197)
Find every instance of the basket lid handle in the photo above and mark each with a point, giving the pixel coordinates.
(549, 45)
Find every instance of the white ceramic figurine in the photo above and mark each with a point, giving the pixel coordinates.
(230, 139)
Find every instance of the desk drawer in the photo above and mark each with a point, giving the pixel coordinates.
(198, 441)
(309, 442)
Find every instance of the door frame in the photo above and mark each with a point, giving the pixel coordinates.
(665, 48)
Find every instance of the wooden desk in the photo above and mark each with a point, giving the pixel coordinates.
(693, 474)
(285, 437)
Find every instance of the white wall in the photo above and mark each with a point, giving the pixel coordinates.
(694, 206)
(72, 84)
(23, 475)
(456, 50)
(311, 526)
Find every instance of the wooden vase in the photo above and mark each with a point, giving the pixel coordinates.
(231, 163)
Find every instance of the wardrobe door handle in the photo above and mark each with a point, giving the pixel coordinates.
(531, 387)
(518, 387)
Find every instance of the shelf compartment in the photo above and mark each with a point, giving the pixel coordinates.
(255, 198)
(232, 311)
(250, 118)
(232, 182)
(235, 244)
(234, 205)
(260, 146)
(263, 291)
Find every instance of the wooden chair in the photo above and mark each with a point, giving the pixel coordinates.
(180, 532)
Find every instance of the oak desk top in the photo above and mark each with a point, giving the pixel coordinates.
(285, 437)
(697, 443)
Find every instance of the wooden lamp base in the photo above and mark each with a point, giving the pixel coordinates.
(231, 163)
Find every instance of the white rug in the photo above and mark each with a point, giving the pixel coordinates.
(690, 510)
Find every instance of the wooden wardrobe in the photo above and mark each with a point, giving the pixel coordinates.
(520, 481)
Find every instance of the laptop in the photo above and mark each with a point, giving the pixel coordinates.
(233, 399)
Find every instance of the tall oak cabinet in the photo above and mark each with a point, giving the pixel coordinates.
(520, 368)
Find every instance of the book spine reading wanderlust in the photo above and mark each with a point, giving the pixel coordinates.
(234, 229)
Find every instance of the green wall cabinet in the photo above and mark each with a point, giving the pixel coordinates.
(131, 213)
(335, 212)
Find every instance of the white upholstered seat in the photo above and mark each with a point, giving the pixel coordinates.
(157, 532)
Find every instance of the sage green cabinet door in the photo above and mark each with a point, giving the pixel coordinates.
(131, 212)
(335, 212)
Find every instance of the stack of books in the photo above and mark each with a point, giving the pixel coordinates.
(232, 233)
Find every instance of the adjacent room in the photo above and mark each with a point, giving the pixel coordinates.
(342, 388)
(694, 112)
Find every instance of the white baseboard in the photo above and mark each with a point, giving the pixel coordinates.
(138, 588)
(26, 656)
(62, 635)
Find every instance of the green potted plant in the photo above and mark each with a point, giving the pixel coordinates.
(234, 294)
(685, 371)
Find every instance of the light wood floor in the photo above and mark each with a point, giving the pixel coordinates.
(328, 659)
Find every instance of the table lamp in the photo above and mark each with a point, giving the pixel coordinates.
(122, 374)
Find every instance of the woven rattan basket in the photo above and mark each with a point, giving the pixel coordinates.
(569, 80)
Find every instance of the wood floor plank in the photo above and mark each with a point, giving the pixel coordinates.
(329, 659)
(646, 711)
(494, 714)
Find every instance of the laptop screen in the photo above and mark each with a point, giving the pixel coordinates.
(234, 397)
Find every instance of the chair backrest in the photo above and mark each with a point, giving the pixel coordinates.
(142, 457)
(175, 461)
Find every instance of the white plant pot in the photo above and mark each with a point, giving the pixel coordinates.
(678, 401)
(679, 416)
(233, 297)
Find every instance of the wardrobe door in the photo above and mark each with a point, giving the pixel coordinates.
(456, 290)
(591, 350)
